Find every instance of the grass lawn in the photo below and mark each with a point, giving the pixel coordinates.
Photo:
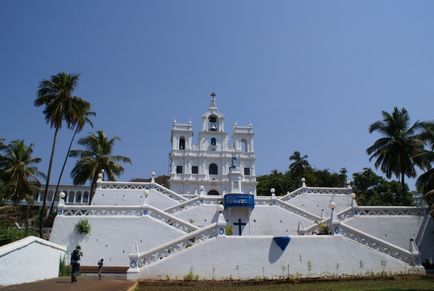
(389, 284)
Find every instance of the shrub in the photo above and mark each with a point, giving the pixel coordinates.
(229, 230)
(191, 277)
(83, 226)
(64, 269)
(323, 229)
(11, 234)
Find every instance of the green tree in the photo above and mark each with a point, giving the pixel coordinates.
(60, 105)
(299, 165)
(81, 118)
(19, 173)
(374, 190)
(397, 152)
(95, 157)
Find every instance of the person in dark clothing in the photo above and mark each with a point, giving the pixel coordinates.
(100, 264)
(75, 263)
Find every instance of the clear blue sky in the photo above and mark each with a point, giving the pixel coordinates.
(310, 75)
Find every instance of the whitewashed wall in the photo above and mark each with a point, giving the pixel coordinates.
(111, 237)
(251, 257)
(318, 204)
(132, 197)
(30, 259)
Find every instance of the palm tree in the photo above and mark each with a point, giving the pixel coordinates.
(425, 182)
(398, 151)
(60, 106)
(300, 164)
(20, 174)
(82, 118)
(96, 156)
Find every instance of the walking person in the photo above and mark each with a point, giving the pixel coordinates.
(75, 263)
(100, 264)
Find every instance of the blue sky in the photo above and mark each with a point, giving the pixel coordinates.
(310, 75)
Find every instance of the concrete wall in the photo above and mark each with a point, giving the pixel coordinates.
(319, 203)
(397, 230)
(111, 237)
(259, 256)
(132, 197)
(30, 259)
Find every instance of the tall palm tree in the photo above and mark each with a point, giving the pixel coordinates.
(60, 106)
(398, 151)
(20, 174)
(82, 118)
(95, 157)
(300, 164)
(425, 182)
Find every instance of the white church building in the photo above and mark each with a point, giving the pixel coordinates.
(212, 224)
(208, 162)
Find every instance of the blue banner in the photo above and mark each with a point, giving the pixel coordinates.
(239, 201)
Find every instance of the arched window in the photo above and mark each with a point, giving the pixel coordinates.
(71, 196)
(78, 197)
(213, 192)
(213, 123)
(244, 146)
(182, 143)
(213, 169)
(85, 197)
(213, 141)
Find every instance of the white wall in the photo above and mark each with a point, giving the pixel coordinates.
(111, 237)
(251, 257)
(319, 203)
(30, 259)
(132, 197)
(397, 230)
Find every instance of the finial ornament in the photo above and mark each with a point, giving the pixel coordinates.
(212, 104)
(153, 177)
(303, 182)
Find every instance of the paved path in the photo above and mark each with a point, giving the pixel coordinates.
(83, 284)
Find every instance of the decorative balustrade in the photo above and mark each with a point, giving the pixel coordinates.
(390, 210)
(140, 260)
(194, 202)
(128, 211)
(264, 201)
(141, 186)
(378, 244)
(346, 213)
(316, 190)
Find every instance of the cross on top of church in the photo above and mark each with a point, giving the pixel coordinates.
(212, 104)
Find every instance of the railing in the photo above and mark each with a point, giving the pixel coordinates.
(316, 190)
(378, 244)
(194, 202)
(390, 210)
(95, 210)
(140, 260)
(346, 213)
(139, 186)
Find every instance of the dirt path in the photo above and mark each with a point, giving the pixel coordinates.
(83, 284)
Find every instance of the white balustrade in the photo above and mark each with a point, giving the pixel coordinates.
(378, 244)
(96, 210)
(296, 210)
(390, 210)
(140, 260)
(194, 202)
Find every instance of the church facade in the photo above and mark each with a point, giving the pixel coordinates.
(205, 165)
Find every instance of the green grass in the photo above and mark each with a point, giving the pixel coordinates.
(402, 283)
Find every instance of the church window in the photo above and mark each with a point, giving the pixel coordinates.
(213, 123)
(71, 196)
(85, 197)
(50, 196)
(182, 143)
(246, 171)
(179, 169)
(213, 192)
(213, 169)
(195, 170)
(244, 146)
(213, 141)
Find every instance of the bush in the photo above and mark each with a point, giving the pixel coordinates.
(64, 269)
(11, 234)
(191, 277)
(83, 226)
